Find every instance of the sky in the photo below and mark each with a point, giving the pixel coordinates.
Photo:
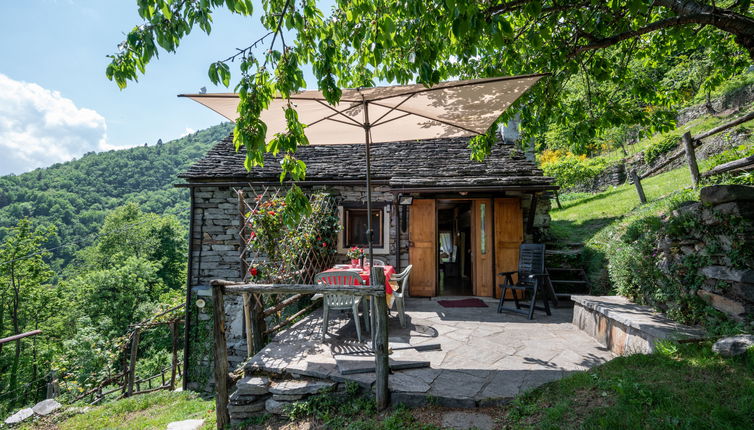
(56, 103)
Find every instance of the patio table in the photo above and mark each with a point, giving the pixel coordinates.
(364, 274)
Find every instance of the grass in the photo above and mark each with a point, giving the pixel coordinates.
(731, 85)
(584, 214)
(696, 126)
(680, 387)
(147, 411)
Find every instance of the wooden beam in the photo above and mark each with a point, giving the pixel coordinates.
(257, 322)
(275, 309)
(532, 213)
(132, 362)
(19, 336)
(748, 117)
(174, 363)
(639, 188)
(688, 144)
(380, 333)
(292, 318)
(247, 324)
(221, 358)
(741, 163)
(238, 288)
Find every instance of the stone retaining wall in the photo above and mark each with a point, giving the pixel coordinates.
(728, 286)
(258, 395)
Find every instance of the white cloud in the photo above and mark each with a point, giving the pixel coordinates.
(39, 127)
(188, 131)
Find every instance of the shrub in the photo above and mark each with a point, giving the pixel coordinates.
(732, 154)
(646, 262)
(661, 147)
(569, 169)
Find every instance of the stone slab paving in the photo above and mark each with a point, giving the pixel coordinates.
(467, 421)
(485, 358)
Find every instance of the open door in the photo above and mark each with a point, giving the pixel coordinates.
(482, 252)
(509, 234)
(422, 247)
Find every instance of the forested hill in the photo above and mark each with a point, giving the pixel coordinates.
(76, 195)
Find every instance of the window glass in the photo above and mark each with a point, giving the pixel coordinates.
(482, 221)
(355, 229)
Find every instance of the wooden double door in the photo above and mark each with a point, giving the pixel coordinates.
(497, 232)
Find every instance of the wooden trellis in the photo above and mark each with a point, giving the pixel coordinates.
(308, 261)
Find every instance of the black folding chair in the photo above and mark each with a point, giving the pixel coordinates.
(532, 279)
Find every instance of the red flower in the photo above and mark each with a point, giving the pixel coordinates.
(253, 235)
(253, 271)
(271, 213)
(324, 244)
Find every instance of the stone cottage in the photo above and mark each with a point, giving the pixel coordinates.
(457, 221)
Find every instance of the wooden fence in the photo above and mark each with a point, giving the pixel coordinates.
(254, 313)
(127, 382)
(689, 145)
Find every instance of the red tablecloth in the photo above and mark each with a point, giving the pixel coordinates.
(364, 273)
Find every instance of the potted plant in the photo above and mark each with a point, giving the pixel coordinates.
(355, 254)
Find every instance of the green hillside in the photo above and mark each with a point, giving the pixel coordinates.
(75, 196)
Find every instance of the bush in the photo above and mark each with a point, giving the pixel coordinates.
(569, 169)
(666, 144)
(647, 264)
(732, 154)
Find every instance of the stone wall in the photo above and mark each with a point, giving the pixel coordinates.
(728, 269)
(612, 176)
(744, 96)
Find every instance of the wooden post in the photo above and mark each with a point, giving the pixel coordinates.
(174, 364)
(256, 319)
(557, 200)
(221, 358)
(381, 364)
(244, 270)
(637, 183)
(132, 363)
(247, 324)
(688, 142)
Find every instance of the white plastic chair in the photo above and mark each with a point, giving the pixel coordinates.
(378, 262)
(340, 301)
(402, 280)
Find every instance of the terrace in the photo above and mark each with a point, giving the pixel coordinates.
(473, 357)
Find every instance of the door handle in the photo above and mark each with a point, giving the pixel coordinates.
(411, 244)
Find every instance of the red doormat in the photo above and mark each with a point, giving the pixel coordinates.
(463, 303)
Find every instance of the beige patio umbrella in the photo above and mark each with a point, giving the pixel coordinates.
(388, 114)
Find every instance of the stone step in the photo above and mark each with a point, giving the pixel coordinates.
(299, 387)
(625, 327)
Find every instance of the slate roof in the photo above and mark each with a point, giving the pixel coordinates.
(408, 164)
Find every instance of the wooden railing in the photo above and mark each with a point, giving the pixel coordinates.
(254, 314)
(126, 382)
(696, 141)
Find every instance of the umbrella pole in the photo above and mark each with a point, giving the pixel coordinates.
(379, 304)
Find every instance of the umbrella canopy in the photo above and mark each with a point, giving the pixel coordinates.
(402, 112)
(386, 114)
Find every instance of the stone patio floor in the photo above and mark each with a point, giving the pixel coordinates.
(485, 358)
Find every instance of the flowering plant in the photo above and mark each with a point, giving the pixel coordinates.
(355, 253)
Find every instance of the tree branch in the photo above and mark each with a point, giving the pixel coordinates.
(612, 40)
